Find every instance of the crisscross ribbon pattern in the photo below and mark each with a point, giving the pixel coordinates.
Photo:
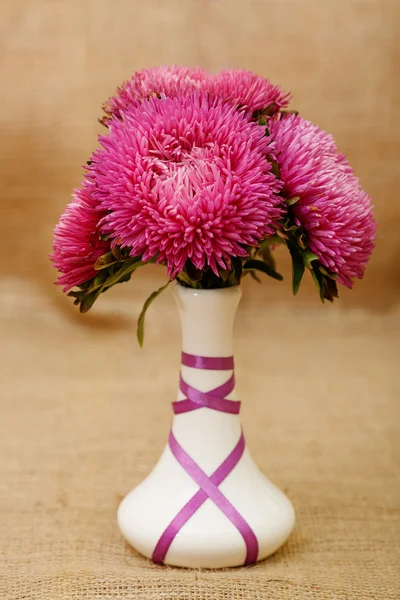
(208, 485)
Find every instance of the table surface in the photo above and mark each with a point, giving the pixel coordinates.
(85, 413)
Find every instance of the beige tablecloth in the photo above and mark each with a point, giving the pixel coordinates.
(85, 414)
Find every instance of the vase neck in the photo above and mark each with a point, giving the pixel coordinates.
(207, 420)
(207, 375)
(207, 318)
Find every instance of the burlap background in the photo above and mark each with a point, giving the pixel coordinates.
(84, 413)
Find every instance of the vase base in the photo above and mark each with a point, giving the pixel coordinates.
(207, 541)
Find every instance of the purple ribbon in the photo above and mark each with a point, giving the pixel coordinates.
(207, 362)
(216, 400)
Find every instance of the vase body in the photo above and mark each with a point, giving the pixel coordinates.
(206, 504)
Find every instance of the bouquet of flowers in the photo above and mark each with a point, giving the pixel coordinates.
(205, 174)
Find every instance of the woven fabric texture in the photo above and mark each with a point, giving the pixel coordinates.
(85, 415)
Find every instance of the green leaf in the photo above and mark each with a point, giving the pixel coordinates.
(97, 282)
(255, 276)
(104, 261)
(225, 274)
(308, 257)
(272, 239)
(297, 266)
(140, 323)
(193, 273)
(126, 268)
(88, 300)
(329, 274)
(84, 300)
(90, 290)
(297, 276)
(270, 109)
(293, 200)
(78, 295)
(117, 253)
(319, 282)
(184, 279)
(302, 241)
(125, 278)
(275, 169)
(259, 265)
(237, 269)
(326, 286)
(85, 285)
(330, 290)
(267, 256)
(288, 225)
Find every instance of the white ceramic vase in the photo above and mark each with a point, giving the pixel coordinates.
(206, 504)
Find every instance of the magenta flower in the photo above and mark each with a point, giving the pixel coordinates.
(334, 211)
(77, 244)
(248, 91)
(160, 82)
(186, 178)
(244, 89)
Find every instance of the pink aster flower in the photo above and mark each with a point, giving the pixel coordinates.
(244, 89)
(247, 91)
(77, 244)
(334, 211)
(186, 178)
(158, 81)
